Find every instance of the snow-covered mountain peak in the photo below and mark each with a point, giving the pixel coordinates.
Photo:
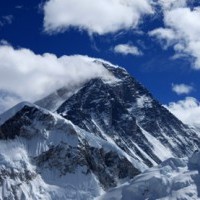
(91, 137)
(104, 62)
(123, 110)
(11, 112)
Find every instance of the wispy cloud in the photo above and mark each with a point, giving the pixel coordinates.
(7, 100)
(126, 49)
(172, 4)
(4, 42)
(19, 6)
(6, 19)
(182, 88)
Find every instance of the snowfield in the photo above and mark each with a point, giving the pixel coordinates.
(174, 179)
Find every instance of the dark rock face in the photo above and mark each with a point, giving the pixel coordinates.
(107, 166)
(12, 127)
(121, 109)
(26, 175)
(98, 109)
(20, 124)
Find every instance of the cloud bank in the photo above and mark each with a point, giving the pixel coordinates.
(7, 100)
(101, 17)
(187, 110)
(30, 76)
(181, 30)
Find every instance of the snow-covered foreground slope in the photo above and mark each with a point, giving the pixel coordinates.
(174, 179)
(44, 156)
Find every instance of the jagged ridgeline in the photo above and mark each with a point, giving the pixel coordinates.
(80, 141)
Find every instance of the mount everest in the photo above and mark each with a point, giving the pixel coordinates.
(81, 142)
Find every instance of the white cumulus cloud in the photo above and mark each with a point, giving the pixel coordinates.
(181, 31)
(171, 4)
(31, 76)
(166, 36)
(187, 110)
(182, 88)
(126, 49)
(94, 16)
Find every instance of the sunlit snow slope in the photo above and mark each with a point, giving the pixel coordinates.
(174, 179)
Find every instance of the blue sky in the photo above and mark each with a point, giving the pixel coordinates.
(168, 63)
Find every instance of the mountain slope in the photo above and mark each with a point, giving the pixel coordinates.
(125, 113)
(174, 179)
(62, 158)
